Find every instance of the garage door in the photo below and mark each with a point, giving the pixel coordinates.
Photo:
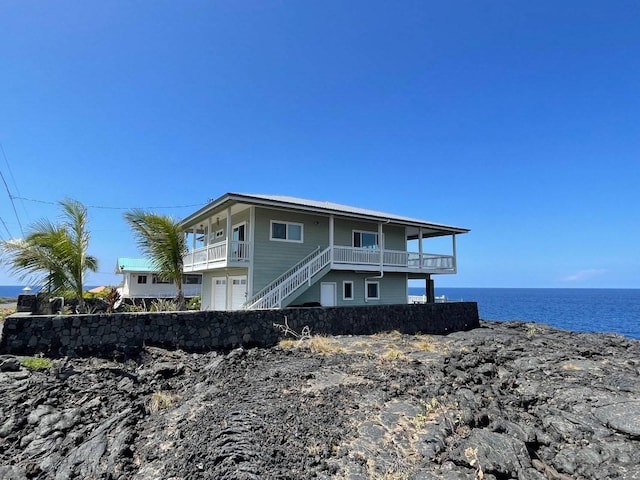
(219, 293)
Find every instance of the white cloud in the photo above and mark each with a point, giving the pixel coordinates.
(587, 274)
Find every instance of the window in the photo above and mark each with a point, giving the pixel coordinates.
(157, 279)
(347, 290)
(192, 279)
(372, 290)
(365, 239)
(286, 231)
(142, 279)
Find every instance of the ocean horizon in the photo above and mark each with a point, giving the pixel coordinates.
(606, 310)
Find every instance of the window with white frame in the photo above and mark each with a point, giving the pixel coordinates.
(142, 279)
(347, 290)
(365, 239)
(286, 231)
(372, 290)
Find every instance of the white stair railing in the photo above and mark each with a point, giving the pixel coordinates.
(302, 272)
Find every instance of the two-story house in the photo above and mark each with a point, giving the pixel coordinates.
(269, 251)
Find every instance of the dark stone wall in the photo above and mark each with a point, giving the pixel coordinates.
(104, 334)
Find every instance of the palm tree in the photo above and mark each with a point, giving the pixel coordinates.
(162, 241)
(54, 255)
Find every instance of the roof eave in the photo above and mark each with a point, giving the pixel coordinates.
(238, 197)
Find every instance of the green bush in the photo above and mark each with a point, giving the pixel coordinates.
(195, 303)
(36, 363)
(164, 305)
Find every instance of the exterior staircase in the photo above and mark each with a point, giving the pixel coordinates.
(302, 273)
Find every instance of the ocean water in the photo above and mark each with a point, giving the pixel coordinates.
(579, 309)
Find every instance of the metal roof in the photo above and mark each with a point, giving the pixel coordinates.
(134, 265)
(284, 201)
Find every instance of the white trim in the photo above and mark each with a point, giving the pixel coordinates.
(286, 223)
(252, 229)
(366, 290)
(352, 297)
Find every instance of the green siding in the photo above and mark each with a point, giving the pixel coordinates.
(393, 289)
(394, 236)
(236, 218)
(273, 258)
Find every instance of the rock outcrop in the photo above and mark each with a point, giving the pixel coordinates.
(504, 401)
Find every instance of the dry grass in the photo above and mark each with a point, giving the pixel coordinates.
(323, 345)
(317, 344)
(288, 343)
(426, 345)
(5, 312)
(161, 400)
(571, 367)
(392, 335)
(394, 355)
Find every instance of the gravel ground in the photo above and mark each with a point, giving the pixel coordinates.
(504, 401)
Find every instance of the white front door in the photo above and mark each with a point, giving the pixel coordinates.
(219, 293)
(328, 294)
(238, 292)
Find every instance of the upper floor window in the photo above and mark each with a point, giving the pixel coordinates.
(365, 239)
(142, 279)
(286, 231)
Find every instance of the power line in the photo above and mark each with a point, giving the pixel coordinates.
(13, 179)
(12, 202)
(114, 208)
(5, 227)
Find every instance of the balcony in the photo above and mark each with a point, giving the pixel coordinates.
(391, 260)
(217, 255)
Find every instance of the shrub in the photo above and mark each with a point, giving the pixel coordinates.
(36, 363)
(195, 303)
(161, 400)
(5, 312)
(164, 305)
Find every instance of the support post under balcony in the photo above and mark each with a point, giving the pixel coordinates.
(228, 252)
(455, 256)
(331, 235)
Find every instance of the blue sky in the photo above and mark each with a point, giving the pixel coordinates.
(518, 120)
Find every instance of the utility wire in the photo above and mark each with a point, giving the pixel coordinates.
(5, 227)
(115, 208)
(13, 179)
(12, 202)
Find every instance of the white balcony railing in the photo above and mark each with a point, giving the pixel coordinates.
(393, 258)
(204, 257)
(214, 256)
